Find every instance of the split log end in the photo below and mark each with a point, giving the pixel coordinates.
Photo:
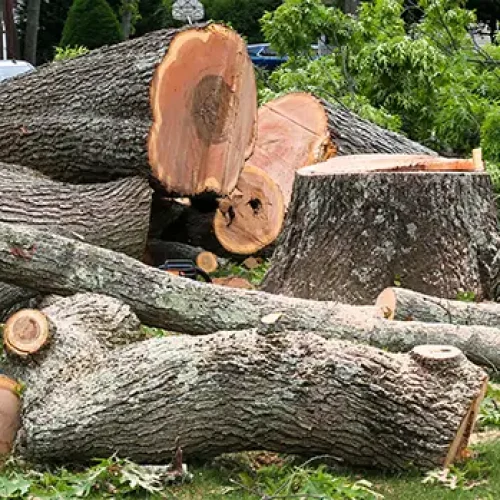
(26, 332)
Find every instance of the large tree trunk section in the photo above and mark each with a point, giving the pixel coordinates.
(180, 304)
(406, 305)
(350, 234)
(353, 135)
(292, 133)
(287, 392)
(114, 215)
(180, 104)
(252, 217)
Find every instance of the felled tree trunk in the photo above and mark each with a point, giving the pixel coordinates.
(353, 135)
(180, 104)
(179, 304)
(288, 392)
(406, 305)
(114, 215)
(359, 224)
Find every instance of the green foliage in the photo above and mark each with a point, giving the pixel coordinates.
(469, 475)
(489, 414)
(63, 53)
(109, 478)
(254, 276)
(304, 482)
(91, 23)
(428, 80)
(466, 296)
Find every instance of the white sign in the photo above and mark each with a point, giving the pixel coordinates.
(188, 10)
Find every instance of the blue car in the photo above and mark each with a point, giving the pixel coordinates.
(264, 57)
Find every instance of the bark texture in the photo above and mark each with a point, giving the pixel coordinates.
(353, 135)
(348, 236)
(64, 267)
(406, 305)
(114, 215)
(287, 392)
(110, 113)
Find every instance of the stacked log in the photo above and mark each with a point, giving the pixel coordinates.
(426, 223)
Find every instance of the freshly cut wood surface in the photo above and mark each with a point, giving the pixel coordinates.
(252, 217)
(292, 392)
(389, 163)
(26, 332)
(406, 305)
(180, 104)
(292, 132)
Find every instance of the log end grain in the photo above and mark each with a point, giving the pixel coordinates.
(10, 414)
(204, 105)
(207, 261)
(253, 216)
(26, 332)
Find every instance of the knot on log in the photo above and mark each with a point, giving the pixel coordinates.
(438, 357)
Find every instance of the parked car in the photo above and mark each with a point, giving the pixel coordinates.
(10, 68)
(264, 57)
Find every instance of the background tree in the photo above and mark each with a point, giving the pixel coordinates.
(91, 23)
(30, 40)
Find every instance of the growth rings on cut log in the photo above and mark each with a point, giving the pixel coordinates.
(292, 133)
(252, 217)
(204, 103)
(26, 332)
(358, 224)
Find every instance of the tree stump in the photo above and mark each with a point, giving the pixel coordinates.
(97, 384)
(357, 225)
(178, 104)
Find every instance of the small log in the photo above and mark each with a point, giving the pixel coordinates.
(178, 104)
(252, 217)
(292, 132)
(406, 305)
(360, 230)
(157, 252)
(288, 392)
(233, 282)
(26, 333)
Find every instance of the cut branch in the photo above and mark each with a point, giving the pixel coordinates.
(268, 391)
(180, 104)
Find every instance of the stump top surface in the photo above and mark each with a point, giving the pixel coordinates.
(388, 163)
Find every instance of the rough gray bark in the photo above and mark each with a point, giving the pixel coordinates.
(114, 215)
(31, 33)
(407, 305)
(354, 135)
(88, 119)
(287, 392)
(348, 236)
(65, 266)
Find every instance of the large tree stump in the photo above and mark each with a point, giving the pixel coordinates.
(180, 104)
(88, 396)
(114, 215)
(180, 304)
(351, 233)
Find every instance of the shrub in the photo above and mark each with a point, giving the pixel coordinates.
(91, 23)
(63, 53)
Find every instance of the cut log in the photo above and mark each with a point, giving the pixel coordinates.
(26, 333)
(113, 215)
(180, 104)
(10, 412)
(352, 135)
(183, 305)
(157, 252)
(233, 282)
(406, 305)
(292, 133)
(286, 392)
(252, 217)
(350, 234)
